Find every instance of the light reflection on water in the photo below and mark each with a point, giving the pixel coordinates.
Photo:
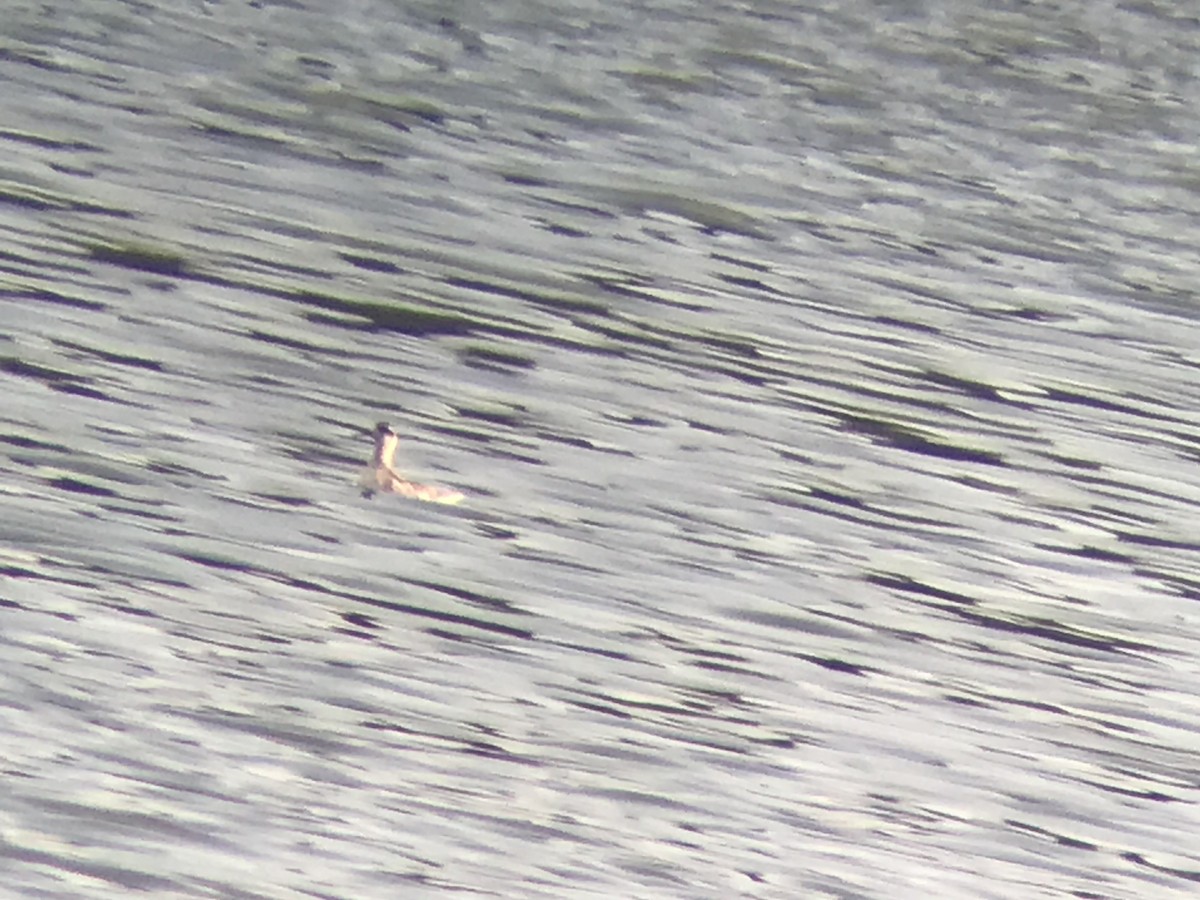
(823, 385)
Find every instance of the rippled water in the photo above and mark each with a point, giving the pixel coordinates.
(824, 385)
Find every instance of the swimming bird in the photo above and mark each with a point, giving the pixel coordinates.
(380, 476)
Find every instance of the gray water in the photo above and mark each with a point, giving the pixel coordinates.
(823, 380)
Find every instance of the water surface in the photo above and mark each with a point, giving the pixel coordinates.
(823, 380)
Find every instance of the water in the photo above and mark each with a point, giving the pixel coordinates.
(823, 381)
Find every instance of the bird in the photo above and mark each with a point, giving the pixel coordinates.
(380, 476)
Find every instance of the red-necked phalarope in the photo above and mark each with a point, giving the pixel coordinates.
(380, 476)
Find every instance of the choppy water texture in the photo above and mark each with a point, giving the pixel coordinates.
(823, 380)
